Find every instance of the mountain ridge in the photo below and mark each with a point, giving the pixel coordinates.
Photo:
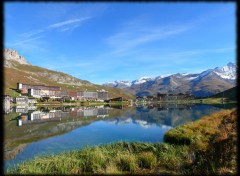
(206, 83)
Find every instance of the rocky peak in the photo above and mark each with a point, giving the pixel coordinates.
(12, 55)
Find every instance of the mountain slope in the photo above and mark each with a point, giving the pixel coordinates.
(17, 69)
(231, 94)
(206, 83)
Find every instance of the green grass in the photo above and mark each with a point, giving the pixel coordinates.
(198, 132)
(213, 140)
(121, 157)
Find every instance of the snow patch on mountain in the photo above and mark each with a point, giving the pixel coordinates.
(141, 80)
(226, 72)
(192, 78)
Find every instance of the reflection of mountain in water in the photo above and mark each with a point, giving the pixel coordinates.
(165, 115)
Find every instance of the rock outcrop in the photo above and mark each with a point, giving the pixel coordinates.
(12, 55)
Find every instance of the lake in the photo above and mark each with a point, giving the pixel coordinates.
(36, 131)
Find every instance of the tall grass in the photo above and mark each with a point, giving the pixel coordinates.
(121, 157)
(198, 132)
(212, 143)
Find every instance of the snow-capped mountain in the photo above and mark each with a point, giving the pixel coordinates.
(124, 84)
(205, 83)
(227, 72)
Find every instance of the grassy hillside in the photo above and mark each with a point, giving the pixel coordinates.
(231, 94)
(29, 74)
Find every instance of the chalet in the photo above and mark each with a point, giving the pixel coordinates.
(102, 94)
(90, 95)
(66, 94)
(169, 97)
(38, 91)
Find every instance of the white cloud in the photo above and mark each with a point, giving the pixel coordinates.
(130, 38)
(68, 22)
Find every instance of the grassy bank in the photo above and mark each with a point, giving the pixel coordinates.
(212, 141)
(198, 132)
(117, 158)
(206, 146)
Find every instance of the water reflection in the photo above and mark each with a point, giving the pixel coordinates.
(57, 114)
(44, 130)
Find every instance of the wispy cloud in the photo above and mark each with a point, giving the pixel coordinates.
(64, 25)
(27, 40)
(68, 22)
(40, 33)
(131, 38)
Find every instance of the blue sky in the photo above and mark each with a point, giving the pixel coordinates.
(103, 42)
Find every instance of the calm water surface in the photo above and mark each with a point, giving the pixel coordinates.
(37, 131)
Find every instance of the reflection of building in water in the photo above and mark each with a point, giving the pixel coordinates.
(57, 115)
(39, 116)
(90, 112)
(102, 112)
(7, 104)
(23, 108)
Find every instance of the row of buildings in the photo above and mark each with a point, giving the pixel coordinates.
(166, 97)
(55, 92)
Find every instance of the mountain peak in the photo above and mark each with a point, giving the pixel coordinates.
(13, 55)
(226, 72)
(230, 64)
